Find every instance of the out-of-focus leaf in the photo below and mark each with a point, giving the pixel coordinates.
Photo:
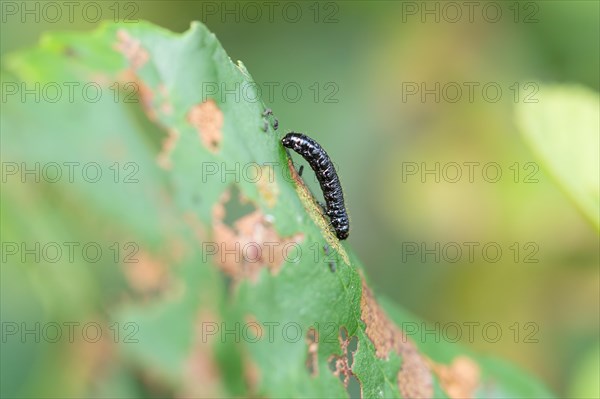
(584, 383)
(563, 129)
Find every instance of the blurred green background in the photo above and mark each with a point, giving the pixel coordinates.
(353, 62)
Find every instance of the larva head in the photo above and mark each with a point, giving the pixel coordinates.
(290, 140)
(286, 141)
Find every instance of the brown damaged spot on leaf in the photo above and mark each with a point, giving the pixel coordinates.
(133, 85)
(207, 118)
(146, 96)
(312, 359)
(95, 359)
(132, 49)
(251, 375)
(154, 102)
(177, 249)
(267, 188)
(166, 107)
(460, 379)
(202, 378)
(414, 378)
(168, 145)
(147, 276)
(343, 368)
(252, 243)
(316, 214)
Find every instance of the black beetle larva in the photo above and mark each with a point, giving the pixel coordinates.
(319, 161)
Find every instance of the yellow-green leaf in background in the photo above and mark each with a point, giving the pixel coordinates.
(563, 129)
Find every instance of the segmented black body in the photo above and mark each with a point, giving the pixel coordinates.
(319, 161)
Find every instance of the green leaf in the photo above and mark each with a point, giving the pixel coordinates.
(563, 129)
(232, 291)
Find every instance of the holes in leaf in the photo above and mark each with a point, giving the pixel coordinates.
(312, 358)
(341, 365)
(243, 236)
(236, 207)
(207, 118)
